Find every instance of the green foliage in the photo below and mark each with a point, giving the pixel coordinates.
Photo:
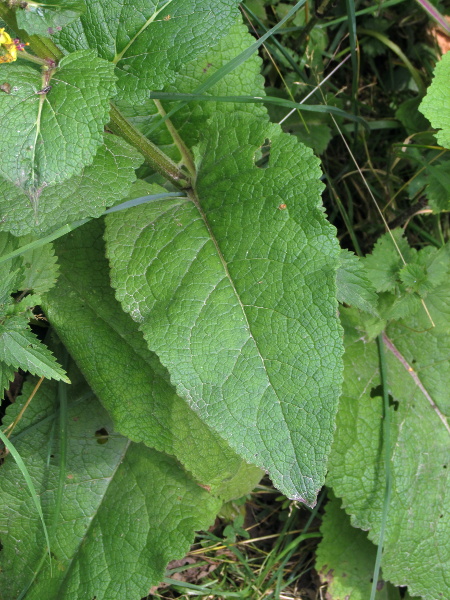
(111, 490)
(205, 308)
(46, 18)
(345, 559)
(435, 105)
(203, 319)
(419, 442)
(76, 107)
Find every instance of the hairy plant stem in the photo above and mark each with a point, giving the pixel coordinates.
(152, 154)
(47, 50)
(184, 150)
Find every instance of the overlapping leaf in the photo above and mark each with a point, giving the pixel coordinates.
(123, 511)
(192, 118)
(46, 17)
(19, 347)
(149, 40)
(436, 104)
(345, 559)
(98, 186)
(128, 379)
(53, 125)
(234, 290)
(418, 524)
(353, 285)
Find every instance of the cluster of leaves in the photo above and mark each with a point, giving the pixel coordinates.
(196, 289)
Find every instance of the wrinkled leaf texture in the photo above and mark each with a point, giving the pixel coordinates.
(125, 512)
(416, 551)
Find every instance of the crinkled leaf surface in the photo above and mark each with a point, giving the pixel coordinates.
(416, 549)
(149, 40)
(98, 186)
(128, 379)
(45, 17)
(189, 121)
(353, 285)
(235, 292)
(436, 104)
(125, 511)
(49, 137)
(345, 559)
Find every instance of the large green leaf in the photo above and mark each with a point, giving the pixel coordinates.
(235, 291)
(416, 550)
(128, 379)
(436, 104)
(98, 186)
(117, 512)
(45, 17)
(149, 40)
(345, 559)
(49, 136)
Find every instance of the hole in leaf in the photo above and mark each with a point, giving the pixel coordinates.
(377, 392)
(102, 436)
(262, 155)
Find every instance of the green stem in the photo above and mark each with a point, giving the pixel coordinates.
(152, 154)
(184, 150)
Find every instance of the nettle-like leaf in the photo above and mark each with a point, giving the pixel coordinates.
(418, 520)
(117, 511)
(234, 290)
(149, 40)
(403, 283)
(99, 185)
(345, 559)
(436, 104)
(20, 348)
(46, 17)
(128, 379)
(49, 136)
(353, 285)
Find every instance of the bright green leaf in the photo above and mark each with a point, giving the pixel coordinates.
(235, 292)
(98, 186)
(418, 522)
(385, 262)
(128, 379)
(126, 510)
(46, 17)
(436, 104)
(353, 286)
(345, 559)
(49, 136)
(149, 41)
(20, 348)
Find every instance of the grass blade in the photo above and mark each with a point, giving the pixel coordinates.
(318, 108)
(12, 450)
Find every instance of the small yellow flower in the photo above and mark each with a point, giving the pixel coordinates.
(9, 47)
